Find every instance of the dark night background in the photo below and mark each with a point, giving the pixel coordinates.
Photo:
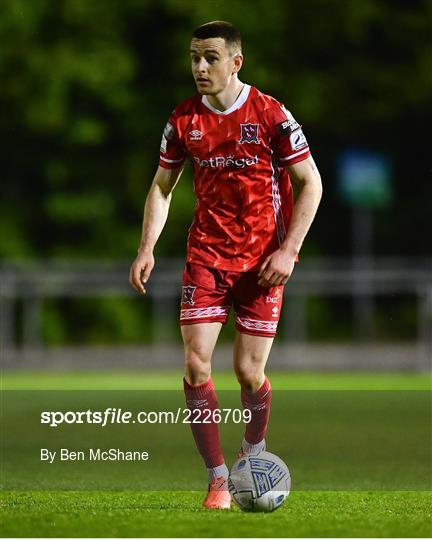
(86, 88)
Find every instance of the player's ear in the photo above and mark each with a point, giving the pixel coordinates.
(238, 62)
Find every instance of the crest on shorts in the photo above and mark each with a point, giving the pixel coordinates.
(249, 133)
(187, 294)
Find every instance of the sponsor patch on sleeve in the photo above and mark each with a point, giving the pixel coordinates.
(298, 140)
(289, 125)
(163, 146)
(168, 134)
(168, 131)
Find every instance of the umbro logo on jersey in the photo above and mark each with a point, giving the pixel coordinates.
(188, 292)
(249, 133)
(195, 135)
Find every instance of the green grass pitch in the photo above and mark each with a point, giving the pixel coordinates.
(126, 513)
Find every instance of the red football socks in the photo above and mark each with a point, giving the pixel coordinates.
(203, 396)
(259, 404)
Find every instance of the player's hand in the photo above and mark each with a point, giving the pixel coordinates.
(140, 270)
(276, 269)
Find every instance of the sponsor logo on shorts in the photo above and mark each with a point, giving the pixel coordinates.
(275, 311)
(273, 299)
(188, 292)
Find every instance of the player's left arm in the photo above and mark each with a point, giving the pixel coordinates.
(278, 267)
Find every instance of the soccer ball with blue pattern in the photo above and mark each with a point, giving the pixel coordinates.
(259, 482)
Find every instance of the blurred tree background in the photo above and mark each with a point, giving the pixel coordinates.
(87, 85)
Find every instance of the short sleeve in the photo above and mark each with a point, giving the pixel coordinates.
(172, 154)
(287, 138)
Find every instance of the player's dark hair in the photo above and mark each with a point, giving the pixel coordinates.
(222, 29)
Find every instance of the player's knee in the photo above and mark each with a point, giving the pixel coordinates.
(197, 367)
(197, 373)
(249, 377)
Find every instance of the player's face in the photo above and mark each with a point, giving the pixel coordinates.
(213, 65)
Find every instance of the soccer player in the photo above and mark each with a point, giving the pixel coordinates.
(246, 234)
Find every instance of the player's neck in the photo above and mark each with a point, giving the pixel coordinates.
(225, 99)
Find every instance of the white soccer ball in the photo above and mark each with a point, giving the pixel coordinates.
(259, 482)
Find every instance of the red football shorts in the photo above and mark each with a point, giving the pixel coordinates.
(208, 294)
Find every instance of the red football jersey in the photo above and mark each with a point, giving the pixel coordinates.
(244, 195)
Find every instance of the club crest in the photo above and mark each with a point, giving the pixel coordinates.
(249, 133)
(187, 294)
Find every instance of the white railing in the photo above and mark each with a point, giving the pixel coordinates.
(364, 281)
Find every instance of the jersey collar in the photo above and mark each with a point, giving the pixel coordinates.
(244, 94)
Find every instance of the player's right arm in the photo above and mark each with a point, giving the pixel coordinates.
(155, 216)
